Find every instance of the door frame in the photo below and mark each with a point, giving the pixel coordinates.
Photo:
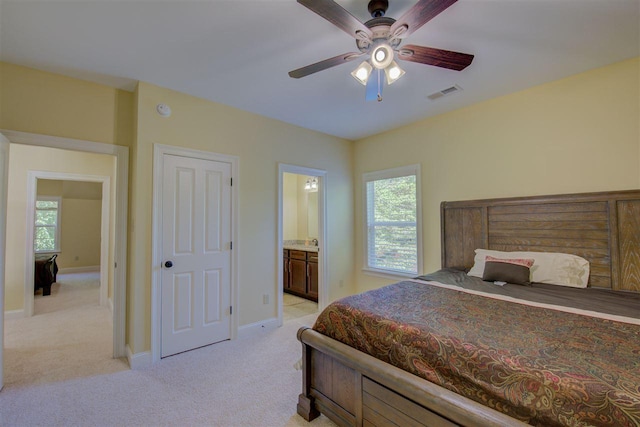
(159, 151)
(323, 291)
(105, 210)
(4, 176)
(121, 155)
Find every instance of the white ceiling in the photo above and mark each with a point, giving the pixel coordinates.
(238, 52)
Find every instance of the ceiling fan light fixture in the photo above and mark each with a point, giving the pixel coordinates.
(362, 73)
(379, 39)
(382, 56)
(393, 72)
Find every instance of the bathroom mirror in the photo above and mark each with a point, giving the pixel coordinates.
(312, 215)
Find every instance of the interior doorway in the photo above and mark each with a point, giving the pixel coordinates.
(301, 241)
(67, 324)
(82, 230)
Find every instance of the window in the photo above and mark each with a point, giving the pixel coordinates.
(47, 229)
(393, 221)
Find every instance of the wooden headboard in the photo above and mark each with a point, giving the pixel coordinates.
(603, 228)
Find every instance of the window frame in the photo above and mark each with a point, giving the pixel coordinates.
(390, 174)
(56, 248)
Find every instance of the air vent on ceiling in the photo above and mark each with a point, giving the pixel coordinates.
(444, 92)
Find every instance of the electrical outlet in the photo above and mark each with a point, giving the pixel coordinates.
(265, 298)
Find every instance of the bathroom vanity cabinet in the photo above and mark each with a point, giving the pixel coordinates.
(301, 273)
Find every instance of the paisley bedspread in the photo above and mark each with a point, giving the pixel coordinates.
(541, 366)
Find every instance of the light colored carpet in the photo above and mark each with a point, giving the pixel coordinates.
(246, 382)
(69, 291)
(69, 336)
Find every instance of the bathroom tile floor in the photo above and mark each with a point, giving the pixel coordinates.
(295, 307)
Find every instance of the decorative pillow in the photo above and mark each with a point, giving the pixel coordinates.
(549, 267)
(514, 271)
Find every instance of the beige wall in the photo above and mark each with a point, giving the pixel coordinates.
(45, 103)
(260, 144)
(25, 158)
(51, 104)
(80, 238)
(577, 134)
(80, 190)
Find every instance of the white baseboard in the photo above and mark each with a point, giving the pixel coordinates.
(87, 269)
(14, 314)
(258, 327)
(144, 360)
(138, 360)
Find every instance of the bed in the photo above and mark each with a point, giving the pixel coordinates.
(587, 372)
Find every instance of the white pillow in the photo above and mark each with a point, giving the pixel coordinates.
(549, 267)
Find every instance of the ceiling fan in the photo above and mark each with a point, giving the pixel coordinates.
(380, 39)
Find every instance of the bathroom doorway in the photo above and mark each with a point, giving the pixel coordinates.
(301, 242)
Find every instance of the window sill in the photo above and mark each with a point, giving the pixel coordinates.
(389, 274)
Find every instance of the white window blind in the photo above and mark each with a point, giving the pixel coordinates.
(47, 225)
(392, 221)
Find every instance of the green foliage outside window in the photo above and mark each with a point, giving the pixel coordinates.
(46, 225)
(392, 224)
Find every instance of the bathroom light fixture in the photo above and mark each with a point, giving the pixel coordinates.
(311, 184)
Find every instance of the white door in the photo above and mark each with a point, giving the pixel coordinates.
(196, 278)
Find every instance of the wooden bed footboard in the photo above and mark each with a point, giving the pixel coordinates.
(354, 389)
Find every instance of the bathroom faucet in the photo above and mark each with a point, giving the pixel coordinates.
(315, 242)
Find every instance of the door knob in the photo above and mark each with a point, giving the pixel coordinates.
(168, 264)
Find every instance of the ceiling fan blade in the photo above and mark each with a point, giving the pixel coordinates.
(323, 65)
(436, 57)
(421, 13)
(337, 15)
